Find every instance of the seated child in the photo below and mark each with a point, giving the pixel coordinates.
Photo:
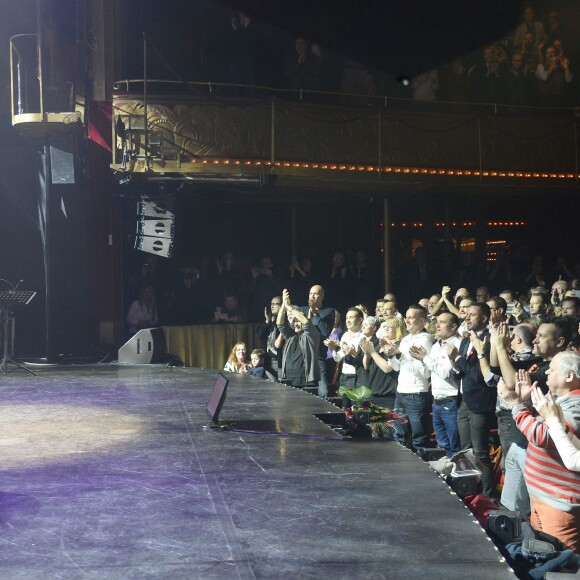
(259, 367)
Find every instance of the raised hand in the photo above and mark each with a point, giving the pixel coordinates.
(502, 337)
(478, 345)
(523, 385)
(546, 406)
(286, 298)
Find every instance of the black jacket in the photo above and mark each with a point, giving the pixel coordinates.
(477, 395)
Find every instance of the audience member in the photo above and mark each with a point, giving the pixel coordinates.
(538, 308)
(332, 369)
(514, 495)
(444, 384)
(553, 488)
(244, 50)
(143, 311)
(486, 78)
(303, 70)
(259, 367)
(368, 329)
(300, 366)
(347, 351)
(567, 444)
(529, 26)
(232, 311)
(555, 78)
(236, 362)
(413, 396)
(322, 318)
(267, 332)
(476, 413)
(518, 83)
(382, 376)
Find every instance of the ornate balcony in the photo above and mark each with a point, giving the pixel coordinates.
(198, 132)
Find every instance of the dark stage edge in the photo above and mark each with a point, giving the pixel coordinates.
(108, 472)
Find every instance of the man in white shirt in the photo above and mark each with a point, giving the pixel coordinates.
(444, 384)
(413, 396)
(348, 349)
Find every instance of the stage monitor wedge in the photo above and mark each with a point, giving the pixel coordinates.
(146, 347)
(217, 397)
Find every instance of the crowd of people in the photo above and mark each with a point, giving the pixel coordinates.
(533, 65)
(235, 288)
(458, 364)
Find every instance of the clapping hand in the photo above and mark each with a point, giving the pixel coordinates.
(478, 345)
(546, 406)
(452, 351)
(523, 386)
(417, 352)
(332, 344)
(286, 298)
(367, 346)
(347, 349)
(502, 337)
(388, 348)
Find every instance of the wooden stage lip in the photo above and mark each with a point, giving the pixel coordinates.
(110, 471)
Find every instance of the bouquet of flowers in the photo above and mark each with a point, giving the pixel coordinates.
(382, 422)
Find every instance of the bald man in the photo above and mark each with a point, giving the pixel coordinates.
(323, 319)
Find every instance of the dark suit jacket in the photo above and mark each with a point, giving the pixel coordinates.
(477, 395)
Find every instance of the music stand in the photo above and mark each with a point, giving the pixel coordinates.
(8, 299)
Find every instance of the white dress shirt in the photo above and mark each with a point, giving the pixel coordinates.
(443, 380)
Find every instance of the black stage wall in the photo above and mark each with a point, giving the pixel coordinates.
(36, 215)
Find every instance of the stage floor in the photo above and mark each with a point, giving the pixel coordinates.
(109, 471)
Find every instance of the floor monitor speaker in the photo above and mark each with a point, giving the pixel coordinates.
(146, 347)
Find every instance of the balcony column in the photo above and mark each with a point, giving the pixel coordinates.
(387, 257)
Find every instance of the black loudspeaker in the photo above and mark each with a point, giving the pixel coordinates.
(464, 483)
(62, 159)
(430, 453)
(146, 347)
(506, 525)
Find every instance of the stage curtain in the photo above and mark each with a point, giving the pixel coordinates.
(208, 346)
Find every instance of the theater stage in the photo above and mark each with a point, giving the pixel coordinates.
(108, 471)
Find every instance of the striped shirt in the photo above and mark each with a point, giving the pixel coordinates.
(546, 476)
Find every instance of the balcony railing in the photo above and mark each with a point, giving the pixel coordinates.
(206, 128)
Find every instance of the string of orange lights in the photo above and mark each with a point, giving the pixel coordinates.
(387, 169)
(462, 224)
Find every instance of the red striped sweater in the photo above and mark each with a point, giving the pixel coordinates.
(546, 476)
